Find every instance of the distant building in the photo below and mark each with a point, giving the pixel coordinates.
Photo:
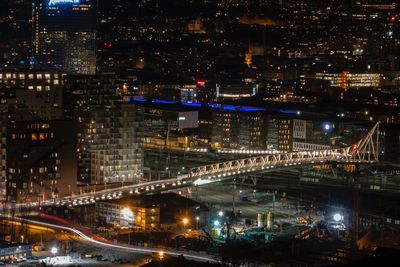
(127, 214)
(64, 35)
(170, 127)
(235, 91)
(206, 91)
(31, 94)
(239, 130)
(285, 134)
(347, 80)
(13, 251)
(35, 80)
(152, 211)
(308, 135)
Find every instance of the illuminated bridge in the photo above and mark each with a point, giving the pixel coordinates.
(365, 150)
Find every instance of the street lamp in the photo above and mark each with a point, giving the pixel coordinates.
(161, 254)
(220, 213)
(197, 222)
(216, 223)
(338, 217)
(185, 221)
(54, 251)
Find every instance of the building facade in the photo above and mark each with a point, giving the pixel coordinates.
(109, 138)
(239, 130)
(118, 214)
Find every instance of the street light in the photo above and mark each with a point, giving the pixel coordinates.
(216, 223)
(161, 254)
(197, 222)
(338, 217)
(185, 221)
(54, 251)
(220, 213)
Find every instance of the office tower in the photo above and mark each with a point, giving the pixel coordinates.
(64, 35)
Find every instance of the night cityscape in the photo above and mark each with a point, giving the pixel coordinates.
(204, 133)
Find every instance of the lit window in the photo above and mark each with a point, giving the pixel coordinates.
(39, 76)
(34, 137)
(42, 136)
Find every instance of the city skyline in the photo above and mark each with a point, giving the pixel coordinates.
(199, 132)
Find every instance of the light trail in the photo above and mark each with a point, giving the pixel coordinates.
(130, 248)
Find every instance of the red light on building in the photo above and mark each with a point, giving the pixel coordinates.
(107, 45)
(354, 147)
(201, 83)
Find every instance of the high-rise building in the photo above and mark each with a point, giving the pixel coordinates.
(64, 35)
(40, 162)
(109, 143)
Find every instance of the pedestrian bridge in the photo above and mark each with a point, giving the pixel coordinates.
(365, 150)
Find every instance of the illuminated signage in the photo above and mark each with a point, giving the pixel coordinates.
(59, 2)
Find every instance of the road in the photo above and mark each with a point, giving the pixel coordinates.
(100, 242)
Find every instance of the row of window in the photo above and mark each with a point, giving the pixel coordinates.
(30, 76)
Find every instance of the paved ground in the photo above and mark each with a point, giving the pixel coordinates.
(223, 196)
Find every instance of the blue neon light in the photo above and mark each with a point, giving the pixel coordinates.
(199, 105)
(191, 104)
(229, 108)
(249, 109)
(286, 111)
(61, 2)
(137, 99)
(214, 105)
(160, 101)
